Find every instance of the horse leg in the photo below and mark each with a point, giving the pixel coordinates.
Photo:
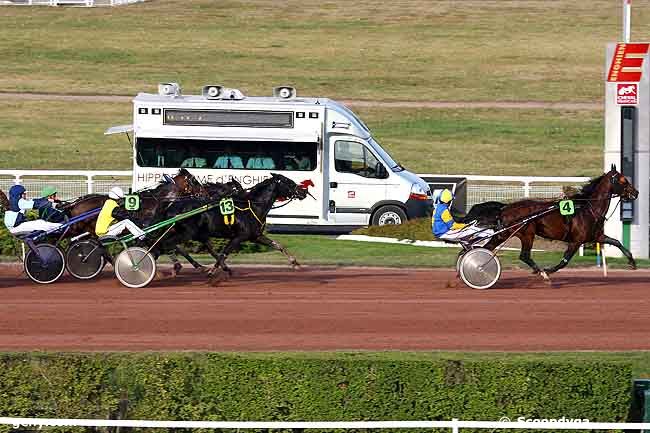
(216, 256)
(568, 254)
(177, 265)
(189, 258)
(277, 246)
(220, 267)
(614, 242)
(527, 238)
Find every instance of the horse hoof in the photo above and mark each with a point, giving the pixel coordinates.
(633, 266)
(545, 276)
(217, 277)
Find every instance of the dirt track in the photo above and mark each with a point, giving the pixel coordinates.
(525, 105)
(329, 309)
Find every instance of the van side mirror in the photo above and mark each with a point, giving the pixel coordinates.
(380, 171)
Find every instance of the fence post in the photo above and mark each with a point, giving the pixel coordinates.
(526, 188)
(90, 183)
(17, 180)
(455, 428)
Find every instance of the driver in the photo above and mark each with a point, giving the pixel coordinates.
(110, 213)
(15, 218)
(443, 225)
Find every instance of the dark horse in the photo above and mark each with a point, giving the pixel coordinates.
(251, 210)
(586, 225)
(181, 184)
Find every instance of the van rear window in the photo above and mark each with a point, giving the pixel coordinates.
(220, 154)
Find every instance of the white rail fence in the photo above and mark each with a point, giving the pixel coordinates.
(86, 3)
(455, 425)
(74, 183)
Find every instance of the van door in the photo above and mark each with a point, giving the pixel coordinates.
(358, 180)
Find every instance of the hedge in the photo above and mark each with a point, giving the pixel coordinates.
(304, 387)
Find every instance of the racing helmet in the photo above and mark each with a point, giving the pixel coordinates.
(48, 191)
(446, 196)
(116, 193)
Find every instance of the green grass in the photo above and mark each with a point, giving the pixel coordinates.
(326, 250)
(416, 50)
(640, 361)
(67, 135)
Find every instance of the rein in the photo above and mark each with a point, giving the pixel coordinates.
(249, 208)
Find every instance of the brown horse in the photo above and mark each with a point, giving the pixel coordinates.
(586, 225)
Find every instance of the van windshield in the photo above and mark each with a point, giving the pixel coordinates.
(394, 165)
(222, 154)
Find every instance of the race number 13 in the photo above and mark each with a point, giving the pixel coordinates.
(227, 206)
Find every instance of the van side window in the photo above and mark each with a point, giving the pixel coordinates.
(229, 155)
(353, 157)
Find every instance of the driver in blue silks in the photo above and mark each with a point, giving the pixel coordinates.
(15, 218)
(443, 225)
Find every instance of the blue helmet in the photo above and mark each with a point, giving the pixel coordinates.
(15, 193)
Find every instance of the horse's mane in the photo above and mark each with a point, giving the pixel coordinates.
(255, 188)
(589, 188)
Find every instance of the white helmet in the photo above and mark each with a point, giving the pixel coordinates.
(116, 193)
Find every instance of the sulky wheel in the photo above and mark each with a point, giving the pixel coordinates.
(135, 267)
(85, 259)
(45, 264)
(459, 259)
(479, 268)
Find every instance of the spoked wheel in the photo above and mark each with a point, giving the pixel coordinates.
(85, 259)
(135, 267)
(459, 259)
(45, 264)
(479, 268)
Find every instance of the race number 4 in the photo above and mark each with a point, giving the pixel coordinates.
(567, 208)
(227, 206)
(132, 202)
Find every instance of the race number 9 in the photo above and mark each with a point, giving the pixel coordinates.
(227, 206)
(567, 208)
(132, 202)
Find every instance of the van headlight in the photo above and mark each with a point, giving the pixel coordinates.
(419, 193)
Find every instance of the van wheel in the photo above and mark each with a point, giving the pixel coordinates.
(388, 215)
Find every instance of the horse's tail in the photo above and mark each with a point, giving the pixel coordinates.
(486, 214)
(4, 201)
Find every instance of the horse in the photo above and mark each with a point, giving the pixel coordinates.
(586, 225)
(214, 190)
(182, 184)
(247, 223)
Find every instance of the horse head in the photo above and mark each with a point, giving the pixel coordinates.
(187, 184)
(620, 185)
(287, 188)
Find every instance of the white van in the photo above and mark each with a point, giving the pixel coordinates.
(223, 135)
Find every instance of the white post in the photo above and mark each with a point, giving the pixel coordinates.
(581, 251)
(90, 183)
(526, 188)
(627, 20)
(455, 427)
(17, 180)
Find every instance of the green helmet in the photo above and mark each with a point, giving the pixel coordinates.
(48, 191)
